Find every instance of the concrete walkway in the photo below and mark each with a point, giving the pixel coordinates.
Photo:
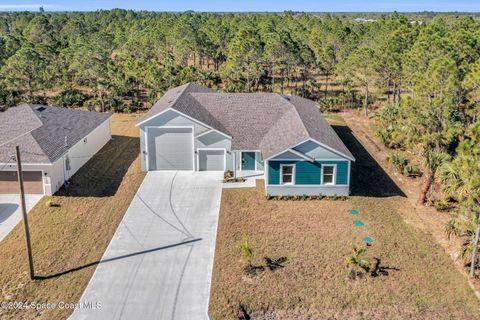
(160, 260)
(11, 212)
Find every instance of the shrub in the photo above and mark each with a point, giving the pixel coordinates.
(227, 175)
(402, 164)
(398, 160)
(411, 170)
(70, 98)
(443, 205)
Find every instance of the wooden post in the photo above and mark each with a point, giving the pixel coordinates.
(24, 213)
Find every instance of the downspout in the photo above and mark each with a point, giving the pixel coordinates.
(234, 165)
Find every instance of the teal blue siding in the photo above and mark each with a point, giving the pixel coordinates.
(307, 173)
(342, 171)
(274, 171)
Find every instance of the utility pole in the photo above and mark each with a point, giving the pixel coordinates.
(24, 213)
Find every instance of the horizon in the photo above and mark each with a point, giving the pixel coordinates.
(249, 6)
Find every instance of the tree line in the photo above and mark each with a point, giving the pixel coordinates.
(419, 79)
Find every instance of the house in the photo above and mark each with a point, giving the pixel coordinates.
(285, 138)
(54, 144)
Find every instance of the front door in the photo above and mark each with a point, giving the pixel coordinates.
(248, 160)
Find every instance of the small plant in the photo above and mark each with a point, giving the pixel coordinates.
(227, 175)
(296, 197)
(268, 197)
(49, 203)
(247, 257)
(398, 160)
(358, 264)
(304, 197)
(443, 205)
(247, 251)
(411, 170)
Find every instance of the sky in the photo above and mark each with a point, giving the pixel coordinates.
(246, 5)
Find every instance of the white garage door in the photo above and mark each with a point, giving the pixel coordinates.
(211, 160)
(170, 148)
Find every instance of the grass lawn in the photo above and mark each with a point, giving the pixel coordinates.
(70, 238)
(316, 237)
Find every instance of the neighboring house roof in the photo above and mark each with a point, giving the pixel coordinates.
(268, 122)
(44, 133)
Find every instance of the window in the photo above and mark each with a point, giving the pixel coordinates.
(287, 174)
(328, 174)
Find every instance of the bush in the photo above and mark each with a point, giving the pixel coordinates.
(411, 171)
(402, 164)
(398, 160)
(70, 98)
(227, 175)
(443, 205)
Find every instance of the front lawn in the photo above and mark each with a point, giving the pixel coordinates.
(316, 237)
(69, 238)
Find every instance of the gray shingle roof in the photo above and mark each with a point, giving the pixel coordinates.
(44, 133)
(268, 122)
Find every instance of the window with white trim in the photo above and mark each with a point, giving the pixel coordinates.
(287, 174)
(328, 174)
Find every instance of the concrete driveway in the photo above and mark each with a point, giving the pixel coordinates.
(160, 260)
(11, 212)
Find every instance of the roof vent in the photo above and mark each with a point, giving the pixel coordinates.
(40, 109)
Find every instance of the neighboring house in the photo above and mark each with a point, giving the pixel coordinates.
(54, 144)
(284, 137)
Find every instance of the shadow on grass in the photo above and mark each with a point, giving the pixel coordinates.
(379, 270)
(367, 177)
(91, 264)
(274, 264)
(102, 174)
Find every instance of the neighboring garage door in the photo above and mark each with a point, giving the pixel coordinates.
(170, 148)
(32, 181)
(211, 160)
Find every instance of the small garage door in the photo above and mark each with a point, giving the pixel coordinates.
(170, 148)
(32, 181)
(211, 160)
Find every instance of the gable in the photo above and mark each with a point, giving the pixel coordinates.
(316, 151)
(172, 118)
(287, 155)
